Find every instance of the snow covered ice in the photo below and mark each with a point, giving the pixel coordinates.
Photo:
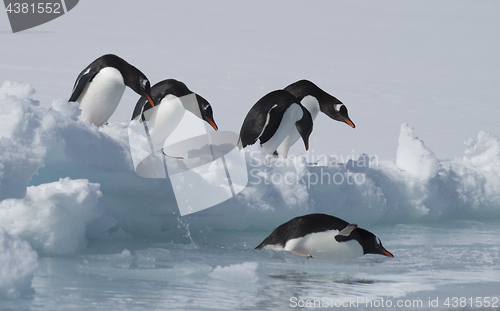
(53, 216)
(18, 261)
(104, 201)
(80, 229)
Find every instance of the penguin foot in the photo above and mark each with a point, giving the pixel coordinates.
(268, 159)
(304, 255)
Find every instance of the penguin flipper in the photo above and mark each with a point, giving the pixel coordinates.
(274, 120)
(347, 230)
(85, 77)
(140, 107)
(254, 126)
(251, 128)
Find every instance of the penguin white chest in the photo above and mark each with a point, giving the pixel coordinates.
(291, 115)
(101, 96)
(323, 244)
(312, 105)
(165, 117)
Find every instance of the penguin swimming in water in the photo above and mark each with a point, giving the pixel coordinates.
(323, 236)
(314, 100)
(172, 101)
(100, 87)
(272, 118)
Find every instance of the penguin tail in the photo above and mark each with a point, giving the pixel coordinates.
(239, 144)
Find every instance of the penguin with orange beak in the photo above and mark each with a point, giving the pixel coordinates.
(173, 98)
(322, 235)
(272, 118)
(314, 99)
(100, 86)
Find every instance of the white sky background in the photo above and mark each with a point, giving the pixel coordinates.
(432, 64)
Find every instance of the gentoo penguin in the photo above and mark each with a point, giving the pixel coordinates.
(323, 236)
(314, 100)
(169, 112)
(100, 86)
(271, 119)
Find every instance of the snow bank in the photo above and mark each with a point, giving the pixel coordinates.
(418, 187)
(53, 216)
(21, 154)
(63, 182)
(414, 157)
(18, 261)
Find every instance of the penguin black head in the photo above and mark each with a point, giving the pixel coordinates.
(328, 104)
(339, 111)
(140, 84)
(305, 126)
(206, 111)
(371, 244)
(179, 89)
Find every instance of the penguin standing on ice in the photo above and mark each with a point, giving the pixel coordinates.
(272, 118)
(314, 100)
(172, 101)
(100, 87)
(323, 236)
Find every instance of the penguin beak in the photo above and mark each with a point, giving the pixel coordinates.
(212, 123)
(386, 253)
(307, 144)
(150, 100)
(349, 122)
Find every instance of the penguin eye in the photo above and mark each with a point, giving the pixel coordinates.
(337, 107)
(144, 82)
(378, 243)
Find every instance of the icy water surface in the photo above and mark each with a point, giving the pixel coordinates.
(220, 270)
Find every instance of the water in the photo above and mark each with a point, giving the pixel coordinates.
(221, 270)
